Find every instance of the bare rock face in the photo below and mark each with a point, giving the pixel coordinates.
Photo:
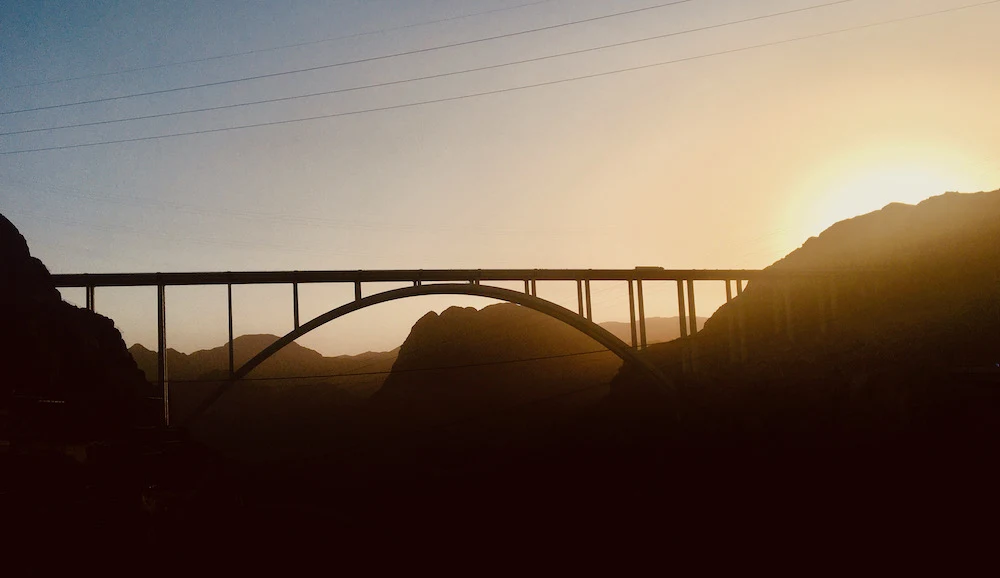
(66, 372)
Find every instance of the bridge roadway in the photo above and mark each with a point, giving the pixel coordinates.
(443, 281)
(412, 275)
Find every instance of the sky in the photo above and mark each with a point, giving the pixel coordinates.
(711, 152)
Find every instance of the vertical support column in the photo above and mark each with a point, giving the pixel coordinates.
(586, 288)
(90, 297)
(731, 325)
(822, 295)
(787, 299)
(741, 321)
(357, 290)
(527, 287)
(161, 350)
(232, 356)
(681, 308)
(631, 311)
(776, 302)
(295, 304)
(534, 288)
(579, 296)
(642, 316)
(692, 316)
(833, 298)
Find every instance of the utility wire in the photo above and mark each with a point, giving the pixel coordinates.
(430, 76)
(276, 48)
(410, 370)
(38, 187)
(226, 385)
(509, 89)
(347, 62)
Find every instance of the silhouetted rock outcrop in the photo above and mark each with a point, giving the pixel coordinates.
(463, 362)
(65, 370)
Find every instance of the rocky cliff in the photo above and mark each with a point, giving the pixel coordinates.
(66, 371)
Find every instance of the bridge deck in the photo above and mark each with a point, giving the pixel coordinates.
(421, 275)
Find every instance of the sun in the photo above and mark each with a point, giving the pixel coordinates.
(871, 189)
(864, 182)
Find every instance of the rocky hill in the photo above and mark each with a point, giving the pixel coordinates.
(901, 341)
(66, 372)
(464, 362)
(915, 284)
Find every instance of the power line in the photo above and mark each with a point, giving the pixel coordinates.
(276, 48)
(431, 76)
(225, 386)
(320, 222)
(509, 89)
(347, 62)
(409, 370)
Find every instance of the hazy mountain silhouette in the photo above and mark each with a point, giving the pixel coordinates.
(296, 400)
(291, 361)
(658, 329)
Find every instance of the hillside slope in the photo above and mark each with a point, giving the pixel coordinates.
(902, 342)
(465, 362)
(919, 285)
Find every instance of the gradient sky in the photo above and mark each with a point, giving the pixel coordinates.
(725, 161)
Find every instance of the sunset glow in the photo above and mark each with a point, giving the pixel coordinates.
(706, 134)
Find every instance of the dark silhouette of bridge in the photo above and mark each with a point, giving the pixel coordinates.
(439, 282)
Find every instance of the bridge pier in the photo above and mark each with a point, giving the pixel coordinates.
(741, 322)
(731, 325)
(693, 321)
(586, 285)
(161, 350)
(579, 296)
(823, 321)
(229, 294)
(631, 312)
(90, 297)
(295, 304)
(787, 300)
(682, 319)
(833, 298)
(681, 308)
(642, 316)
(692, 316)
(357, 290)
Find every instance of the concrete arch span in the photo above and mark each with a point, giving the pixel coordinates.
(585, 326)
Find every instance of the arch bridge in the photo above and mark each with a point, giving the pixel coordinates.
(476, 282)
